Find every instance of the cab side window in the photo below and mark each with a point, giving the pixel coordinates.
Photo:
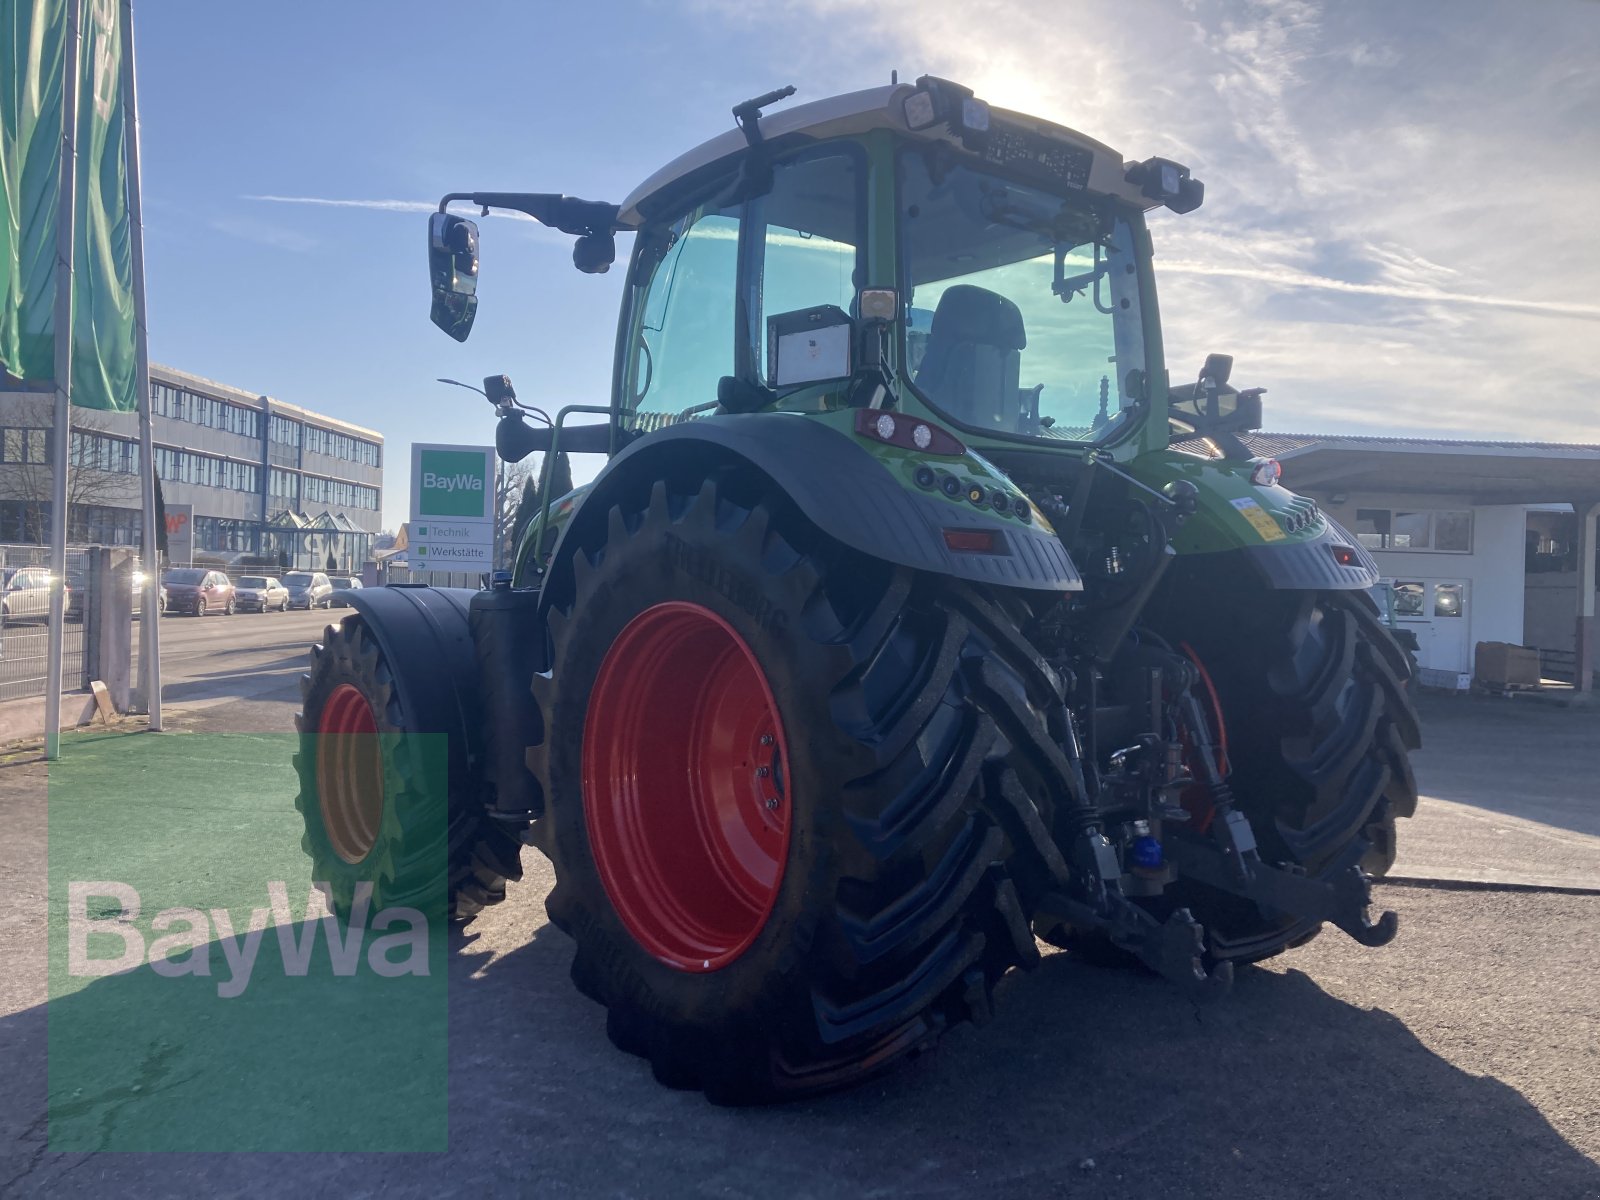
(809, 253)
(684, 336)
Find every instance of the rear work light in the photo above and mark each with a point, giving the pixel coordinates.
(976, 541)
(909, 433)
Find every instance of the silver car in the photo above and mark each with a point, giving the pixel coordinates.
(261, 593)
(307, 589)
(25, 593)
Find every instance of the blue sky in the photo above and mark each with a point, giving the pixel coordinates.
(1397, 237)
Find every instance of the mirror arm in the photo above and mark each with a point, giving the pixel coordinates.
(568, 214)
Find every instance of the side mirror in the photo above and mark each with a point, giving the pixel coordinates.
(1217, 369)
(453, 273)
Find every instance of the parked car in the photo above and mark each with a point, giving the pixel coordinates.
(25, 594)
(78, 594)
(342, 586)
(261, 593)
(199, 591)
(138, 594)
(307, 589)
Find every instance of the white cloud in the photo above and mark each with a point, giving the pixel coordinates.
(411, 206)
(404, 206)
(1393, 235)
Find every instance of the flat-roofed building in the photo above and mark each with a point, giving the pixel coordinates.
(265, 478)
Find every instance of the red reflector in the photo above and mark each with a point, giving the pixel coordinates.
(1344, 556)
(975, 541)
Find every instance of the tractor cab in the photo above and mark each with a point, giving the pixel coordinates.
(906, 248)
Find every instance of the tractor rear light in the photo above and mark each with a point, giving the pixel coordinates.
(976, 493)
(1001, 502)
(1267, 473)
(952, 487)
(909, 433)
(976, 541)
(975, 115)
(925, 476)
(1345, 556)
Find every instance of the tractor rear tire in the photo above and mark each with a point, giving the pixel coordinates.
(1320, 727)
(375, 808)
(797, 798)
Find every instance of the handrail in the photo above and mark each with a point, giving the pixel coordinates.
(549, 475)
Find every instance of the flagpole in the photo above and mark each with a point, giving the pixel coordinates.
(150, 602)
(61, 457)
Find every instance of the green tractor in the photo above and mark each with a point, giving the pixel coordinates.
(915, 615)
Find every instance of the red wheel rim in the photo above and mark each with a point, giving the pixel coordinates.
(349, 773)
(685, 782)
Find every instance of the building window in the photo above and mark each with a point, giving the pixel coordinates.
(223, 534)
(21, 446)
(185, 466)
(339, 445)
(1436, 531)
(209, 411)
(336, 493)
(99, 452)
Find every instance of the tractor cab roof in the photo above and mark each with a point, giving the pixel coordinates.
(1098, 167)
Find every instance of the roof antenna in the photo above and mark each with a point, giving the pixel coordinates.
(894, 78)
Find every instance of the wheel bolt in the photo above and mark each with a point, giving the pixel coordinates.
(766, 739)
(763, 772)
(772, 802)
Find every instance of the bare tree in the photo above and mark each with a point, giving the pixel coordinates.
(507, 532)
(27, 473)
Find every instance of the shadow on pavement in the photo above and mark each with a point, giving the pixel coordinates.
(1096, 1080)
(1512, 757)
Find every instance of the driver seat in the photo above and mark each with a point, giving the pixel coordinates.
(973, 359)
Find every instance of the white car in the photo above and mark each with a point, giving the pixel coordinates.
(25, 593)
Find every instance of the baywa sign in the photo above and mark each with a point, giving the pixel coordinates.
(452, 481)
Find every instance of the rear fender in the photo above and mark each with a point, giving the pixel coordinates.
(852, 495)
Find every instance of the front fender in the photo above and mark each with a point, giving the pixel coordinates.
(856, 497)
(1283, 539)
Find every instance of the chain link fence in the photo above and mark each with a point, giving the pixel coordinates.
(25, 620)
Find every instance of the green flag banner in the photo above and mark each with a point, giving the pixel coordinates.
(33, 36)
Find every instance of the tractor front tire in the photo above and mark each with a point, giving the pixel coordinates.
(378, 806)
(796, 797)
(1320, 727)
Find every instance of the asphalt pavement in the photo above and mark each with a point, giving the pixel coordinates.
(1462, 1060)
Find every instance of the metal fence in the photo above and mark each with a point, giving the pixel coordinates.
(25, 620)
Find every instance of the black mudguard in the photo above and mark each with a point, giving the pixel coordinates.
(427, 643)
(1311, 566)
(842, 490)
(463, 662)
